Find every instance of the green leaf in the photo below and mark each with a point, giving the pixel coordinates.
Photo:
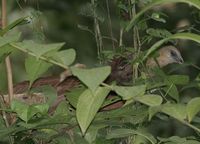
(66, 57)
(134, 20)
(177, 79)
(5, 51)
(74, 94)
(35, 68)
(23, 110)
(177, 111)
(188, 36)
(172, 91)
(88, 104)
(41, 108)
(150, 99)
(193, 107)
(8, 38)
(130, 92)
(38, 49)
(92, 77)
(156, 17)
(22, 20)
(153, 110)
(120, 133)
(92, 132)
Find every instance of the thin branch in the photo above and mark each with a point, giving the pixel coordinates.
(98, 35)
(121, 37)
(2, 104)
(41, 58)
(7, 60)
(110, 24)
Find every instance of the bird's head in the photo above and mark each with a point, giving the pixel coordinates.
(167, 55)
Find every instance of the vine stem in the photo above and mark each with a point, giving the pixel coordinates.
(7, 60)
(97, 30)
(110, 25)
(41, 58)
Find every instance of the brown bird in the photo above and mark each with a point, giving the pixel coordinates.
(122, 69)
(167, 55)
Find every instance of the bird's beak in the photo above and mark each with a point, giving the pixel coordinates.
(179, 60)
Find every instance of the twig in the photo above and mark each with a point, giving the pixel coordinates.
(110, 24)
(41, 58)
(121, 37)
(4, 116)
(7, 60)
(98, 35)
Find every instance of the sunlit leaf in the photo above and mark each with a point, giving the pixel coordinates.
(177, 111)
(66, 57)
(88, 105)
(92, 77)
(193, 107)
(150, 99)
(127, 92)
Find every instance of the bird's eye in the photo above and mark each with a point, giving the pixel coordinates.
(173, 53)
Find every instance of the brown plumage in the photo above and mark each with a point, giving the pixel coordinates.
(122, 69)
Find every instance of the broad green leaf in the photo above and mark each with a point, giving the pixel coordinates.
(149, 99)
(130, 92)
(23, 110)
(120, 133)
(153, 110)
(177, 79)
(92, 132)
(188, 36)
(173, 139)
(92, 77)
(177, 111)
(193, 107)
(22, 20)
(172, 91)
(41, 108)
(66, 57)
(88, 104)
(8, 38)
(134, 20)
(38, 49)
(74, 94)
(5, 51)
(35, 68)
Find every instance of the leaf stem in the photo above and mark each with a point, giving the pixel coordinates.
(41, 57)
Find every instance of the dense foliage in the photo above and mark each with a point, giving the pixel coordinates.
(154, 112)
